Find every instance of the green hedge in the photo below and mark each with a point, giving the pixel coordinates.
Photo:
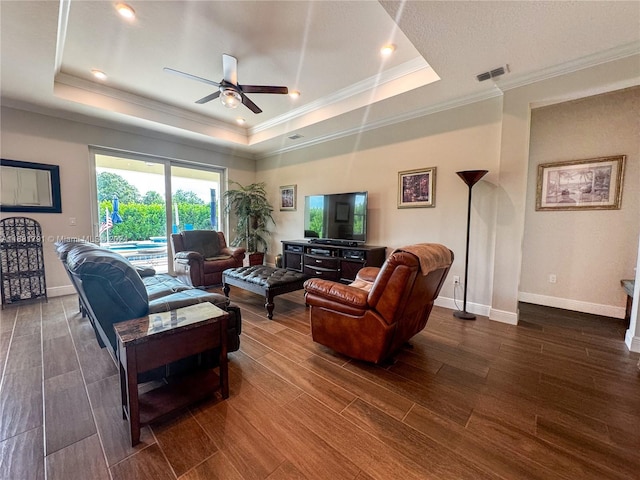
(140, 222)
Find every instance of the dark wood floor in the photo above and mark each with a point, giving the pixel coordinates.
(557, 397)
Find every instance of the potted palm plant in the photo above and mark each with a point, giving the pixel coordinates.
(253, 212)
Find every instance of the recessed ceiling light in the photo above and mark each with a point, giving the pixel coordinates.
(125, 11)
(240, 121)
(294, 93)
(99, 74)
(387, 50)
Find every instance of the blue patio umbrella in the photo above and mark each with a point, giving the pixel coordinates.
(115, 215)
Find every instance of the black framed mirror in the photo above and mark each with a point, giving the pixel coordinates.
(29, 187)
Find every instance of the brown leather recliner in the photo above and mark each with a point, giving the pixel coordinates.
(371, 318)
(200, 257)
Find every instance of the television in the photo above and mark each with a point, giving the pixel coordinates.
(337, 218)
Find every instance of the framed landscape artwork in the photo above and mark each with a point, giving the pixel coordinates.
(591, 184)
(288, 197)
(417, 188)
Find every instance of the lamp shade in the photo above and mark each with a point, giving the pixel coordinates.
(471, 177)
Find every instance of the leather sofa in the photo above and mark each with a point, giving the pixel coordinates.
(200, 257)
(371, 318)
(113, 290)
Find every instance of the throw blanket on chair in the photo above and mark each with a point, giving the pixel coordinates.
(205, 242)
(432, 256)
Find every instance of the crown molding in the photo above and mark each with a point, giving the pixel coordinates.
(422, 112)
(341, 95)
(132, 99)
(513, 81)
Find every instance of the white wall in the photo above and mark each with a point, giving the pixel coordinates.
(38, 138)
(466, 138)
(589, 251)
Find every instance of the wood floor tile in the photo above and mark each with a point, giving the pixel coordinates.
(146, 464)
(369, 454)
(332, 395)
(184, 442)
(25, 352)
(246, 447)
(59, 356)
(386, 400)
(28, 322)
(481, 453)
(96, 363)
(554, 398)
(606, 460)
(434, 459)
(83, 459)
(419, 387)
(67, 413)
(276, 343)
(21, 402)
(295, 440)
(216, 467)
(514, 441)
(286, 471)
(8, 319)
(104, 396)
(270, 382)
(21, 456)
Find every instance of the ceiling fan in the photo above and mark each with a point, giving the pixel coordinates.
(231, 93)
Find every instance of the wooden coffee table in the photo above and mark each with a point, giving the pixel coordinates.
(157, 339)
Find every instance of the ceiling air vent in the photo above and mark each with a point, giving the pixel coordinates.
(295, 136)
(496, 72)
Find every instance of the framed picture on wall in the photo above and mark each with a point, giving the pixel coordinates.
(417, 188)
(591, 184)
(288, 197)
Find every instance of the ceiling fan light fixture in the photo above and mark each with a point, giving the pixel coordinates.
(294, 93)
(240, 121)
(230, 98)
(126, 11)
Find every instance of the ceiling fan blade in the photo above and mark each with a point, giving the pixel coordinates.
(208, 98)
(192, 77)
(263, 89)
(250, 105)
(230, 68)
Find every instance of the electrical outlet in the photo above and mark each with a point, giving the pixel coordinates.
(456, 280)
(552, 278)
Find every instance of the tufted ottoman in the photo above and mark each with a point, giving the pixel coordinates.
(267, 281)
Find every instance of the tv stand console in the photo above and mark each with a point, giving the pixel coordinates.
(330, 260)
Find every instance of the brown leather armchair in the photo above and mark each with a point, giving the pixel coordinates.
(371, 318)
(200, 256)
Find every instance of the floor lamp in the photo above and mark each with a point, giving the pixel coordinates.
(470, 177)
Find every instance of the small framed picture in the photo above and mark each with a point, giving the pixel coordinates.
(591, 184)
(288, 198)
(417, 188)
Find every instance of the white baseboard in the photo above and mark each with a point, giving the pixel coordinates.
(632, 342)
(503, 316)
(575, 305)
(60, 291)
(477, 308)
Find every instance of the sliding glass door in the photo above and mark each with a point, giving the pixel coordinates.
(140, 201)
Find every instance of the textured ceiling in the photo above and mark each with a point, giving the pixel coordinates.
(327, 50)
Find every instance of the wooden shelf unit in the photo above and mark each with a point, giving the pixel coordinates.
(333, 262)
